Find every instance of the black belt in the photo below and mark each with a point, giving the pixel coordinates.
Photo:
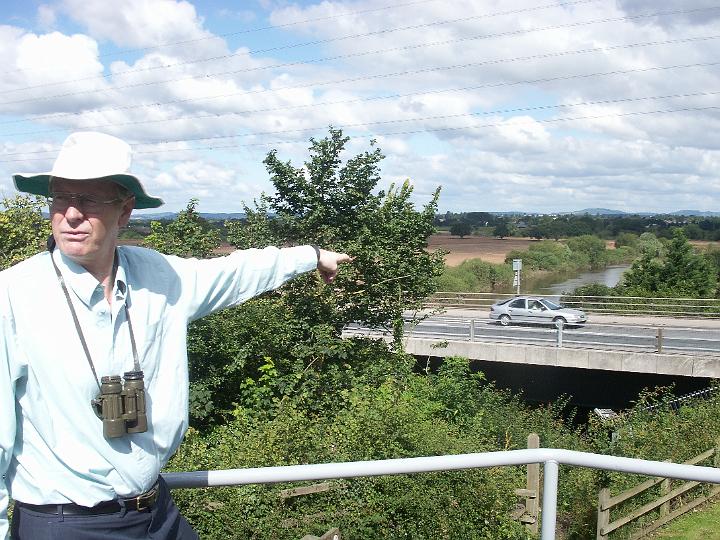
(144, 501)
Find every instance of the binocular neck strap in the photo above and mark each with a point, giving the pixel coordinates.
(79, 329)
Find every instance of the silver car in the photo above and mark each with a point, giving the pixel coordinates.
(532, 309)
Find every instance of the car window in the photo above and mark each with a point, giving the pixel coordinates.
(535, 304)
(551, 305)
(519, 303)
(503, 302)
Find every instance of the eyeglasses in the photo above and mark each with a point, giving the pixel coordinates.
(60, 202)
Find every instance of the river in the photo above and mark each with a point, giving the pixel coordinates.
(556, 284)
(610, 276)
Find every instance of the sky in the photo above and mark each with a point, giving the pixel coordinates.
(535, 106)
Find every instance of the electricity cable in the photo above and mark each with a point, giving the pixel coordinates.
(325, 59)
(337, 102)
(308, 43)
(404, 73)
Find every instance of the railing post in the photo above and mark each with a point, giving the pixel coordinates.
(472, 329)
(549, 502)
(559, 325)
(603, 514)
(659, 339)
(533, 484)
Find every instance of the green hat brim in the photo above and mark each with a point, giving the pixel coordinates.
(39, 184)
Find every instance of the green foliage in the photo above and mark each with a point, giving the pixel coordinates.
(475, 275)
(680, 273)
(255, 230)
(23, 229)
(461, 228)
(626, 239)
(402, 415)
(546, 255)
(591, 247)
(504, 228)
(288, 343)
(335, 206)
(654, 429)
(189, 235)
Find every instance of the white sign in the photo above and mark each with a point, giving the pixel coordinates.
(517, 264)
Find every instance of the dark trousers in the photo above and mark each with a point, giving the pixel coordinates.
(162, 522)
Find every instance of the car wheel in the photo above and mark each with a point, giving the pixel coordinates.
(504, 320)
(558, 320)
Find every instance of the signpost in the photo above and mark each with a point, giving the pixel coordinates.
(517, 266)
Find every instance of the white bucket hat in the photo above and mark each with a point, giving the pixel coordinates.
(88, 155)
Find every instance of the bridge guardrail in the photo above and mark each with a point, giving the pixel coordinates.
(640, 338)
(616, 305)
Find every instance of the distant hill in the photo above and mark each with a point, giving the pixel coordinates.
(598, 212)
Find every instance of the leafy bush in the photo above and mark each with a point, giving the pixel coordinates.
(405, 415)
(547, 255)
(23, 229)
(475, 275)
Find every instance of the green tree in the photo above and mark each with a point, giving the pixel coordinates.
(626, 239)
(288, 342)
(591, 246)
(503, 228)
(23, 229)
(681, 272)
(335, 205)
(189, 235)
(461, 228)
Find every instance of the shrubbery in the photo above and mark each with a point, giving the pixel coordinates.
(404, 415)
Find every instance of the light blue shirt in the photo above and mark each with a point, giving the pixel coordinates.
(52, 448)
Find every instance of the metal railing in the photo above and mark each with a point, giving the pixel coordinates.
(616, 305)
(635, 338)
(551, 458)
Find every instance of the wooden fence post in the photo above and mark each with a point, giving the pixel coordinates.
(664, 490)
(533, 484)
(603, 516)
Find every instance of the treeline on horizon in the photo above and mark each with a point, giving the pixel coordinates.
(570, 225)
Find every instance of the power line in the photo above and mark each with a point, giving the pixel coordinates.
(415, 132)
(337, 57)
(372, 98)
(239, 32)
(396, 74)
(314, 42)
(448, 116)
(439, 117)
(454, 128)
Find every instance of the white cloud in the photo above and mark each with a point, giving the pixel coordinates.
(494, 140)
(139, 23)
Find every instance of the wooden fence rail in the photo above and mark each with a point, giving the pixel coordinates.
(664, 503)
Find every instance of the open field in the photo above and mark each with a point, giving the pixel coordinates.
(488, 249)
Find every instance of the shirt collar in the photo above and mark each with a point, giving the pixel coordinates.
(84, 284)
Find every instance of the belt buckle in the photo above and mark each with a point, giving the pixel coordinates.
(145, 500)
(138, 504)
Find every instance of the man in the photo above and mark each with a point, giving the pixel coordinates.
(93, 359)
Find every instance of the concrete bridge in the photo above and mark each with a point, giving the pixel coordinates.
(596, 357)
(484, 342)
(618, 361)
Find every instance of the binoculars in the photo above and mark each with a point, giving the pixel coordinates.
(121, 404)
